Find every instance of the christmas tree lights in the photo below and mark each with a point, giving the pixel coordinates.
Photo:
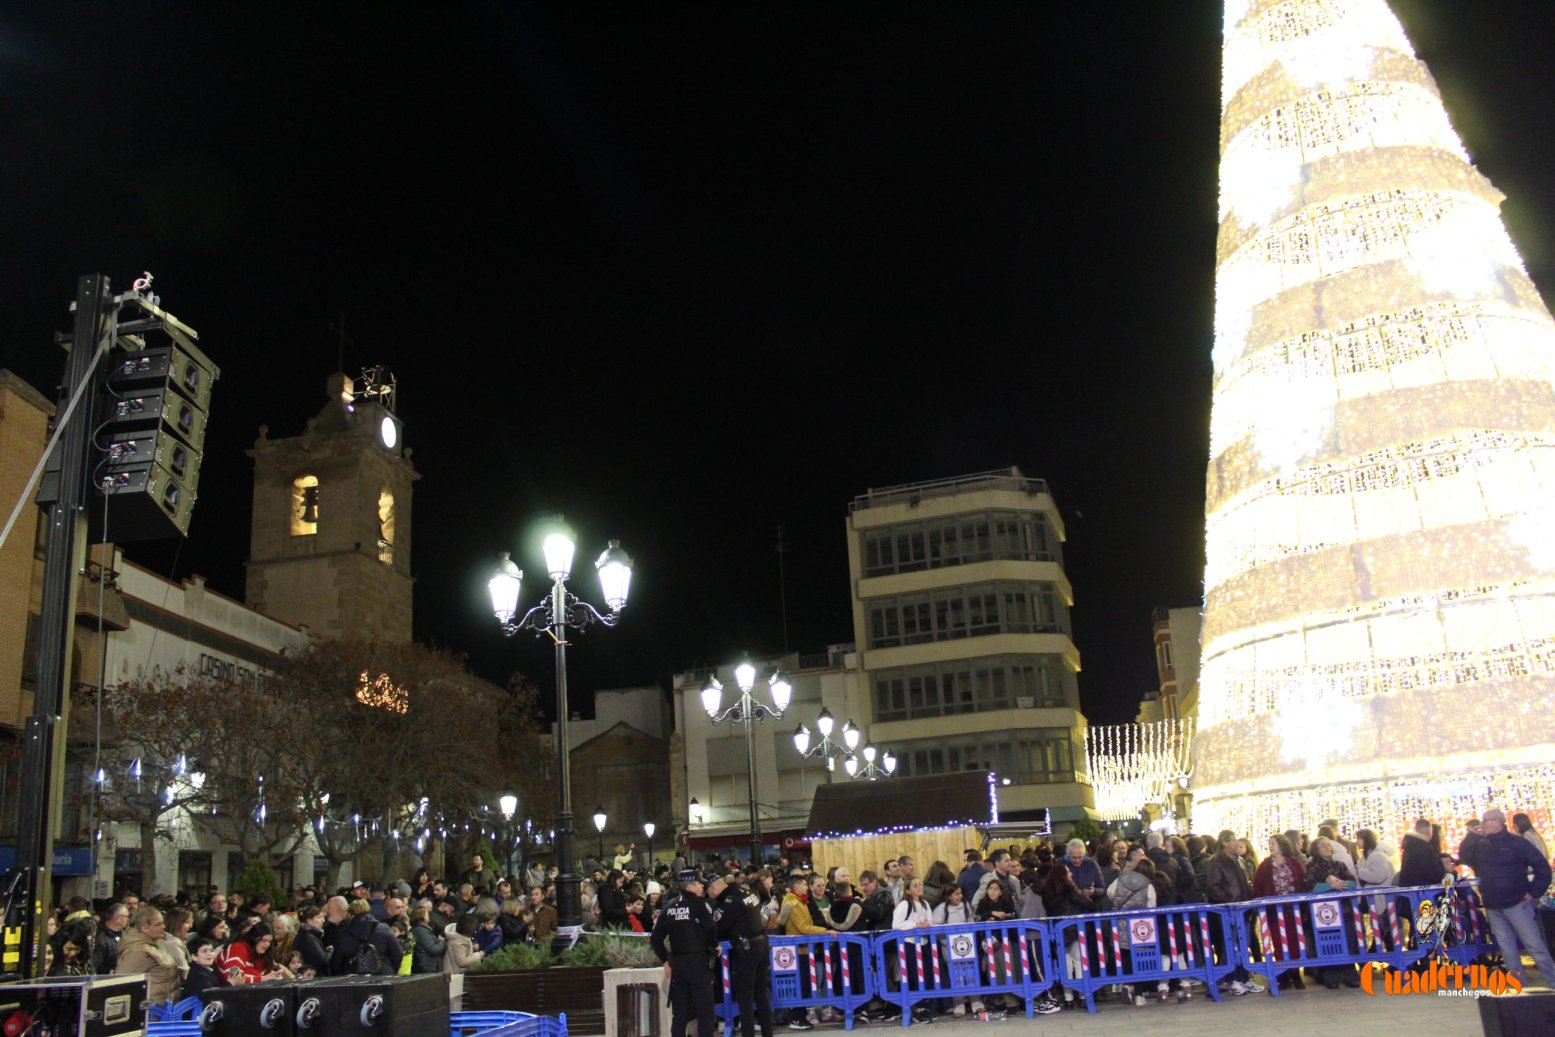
(1379, 621)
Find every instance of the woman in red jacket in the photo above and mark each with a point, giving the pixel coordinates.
(1280, 875)
(247, 959)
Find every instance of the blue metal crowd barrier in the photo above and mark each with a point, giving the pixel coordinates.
(1175, 944)
(809, 972)
(952, 962)
(1344, 928)
(1179, 944)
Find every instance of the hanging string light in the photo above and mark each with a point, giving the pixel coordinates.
(1137, 765)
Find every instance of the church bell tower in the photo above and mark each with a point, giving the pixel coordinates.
(330, 542)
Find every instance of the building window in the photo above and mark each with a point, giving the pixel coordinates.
(975, 537)
(305, 505)
(194, 874)
(1166, 655)
(956, 612)
(386, 525)
(972, 686)
(1036, 756)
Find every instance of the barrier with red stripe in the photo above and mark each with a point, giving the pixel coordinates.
(1194, 943)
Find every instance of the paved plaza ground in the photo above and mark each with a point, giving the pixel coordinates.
(1295, 1013)
(1313, 1012)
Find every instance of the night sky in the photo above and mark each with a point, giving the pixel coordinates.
(687, 273)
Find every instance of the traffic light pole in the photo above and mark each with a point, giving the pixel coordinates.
(63, 497)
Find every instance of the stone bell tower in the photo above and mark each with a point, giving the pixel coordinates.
(330, 542)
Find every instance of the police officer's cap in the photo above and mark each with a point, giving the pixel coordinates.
(689, 875)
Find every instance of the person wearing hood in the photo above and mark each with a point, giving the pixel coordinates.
(1420, 857)
(362, 928)
(140, 951)
(461, 951)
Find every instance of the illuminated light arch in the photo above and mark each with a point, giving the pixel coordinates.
(1379, 624)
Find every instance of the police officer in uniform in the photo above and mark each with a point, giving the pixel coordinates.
(740, 923)
(686, 924)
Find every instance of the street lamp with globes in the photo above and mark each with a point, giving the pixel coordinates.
(746, 710)
(559, 609)
(826, 748)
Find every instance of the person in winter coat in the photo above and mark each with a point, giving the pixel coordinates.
(140, 951)
(362, 928)
(1087, 875)
(488, 937)
(1375, 867)
(1512, 875)
(1327, 870)
(1281, 875)
(1420, 857)
(426, 957)
(911, 915)
(511, 921)
(611, 904)
(202, 968)
(309, 943)
(1524, 826)
(247, 959)
(1227, 883)
(105, 945)
(461, 950)
(846, 910)
(794, 919)
(1061, 897)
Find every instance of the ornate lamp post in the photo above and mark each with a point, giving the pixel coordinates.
(559, 609)
(827, 749)
(508, 804)
(869, 769)
(746, 710)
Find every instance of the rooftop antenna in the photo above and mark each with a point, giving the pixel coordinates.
(340, 332)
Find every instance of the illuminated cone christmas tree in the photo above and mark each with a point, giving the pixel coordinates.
(1379, 618)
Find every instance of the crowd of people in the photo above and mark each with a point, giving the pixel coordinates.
(427, 925)
(1112, 874)
(184, 944)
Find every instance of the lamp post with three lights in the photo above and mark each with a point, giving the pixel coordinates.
(556, 611)
(746, 710)
(826, 748)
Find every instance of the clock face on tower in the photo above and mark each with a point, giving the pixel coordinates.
(388, 432)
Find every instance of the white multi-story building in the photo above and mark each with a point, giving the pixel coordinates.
(961, 614)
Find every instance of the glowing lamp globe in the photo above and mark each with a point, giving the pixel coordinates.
(615, 575)
(745, 676)
(824, 723)
(558, 549)
(802, 739)
(504, 587)
(712, 696)
(782, 692)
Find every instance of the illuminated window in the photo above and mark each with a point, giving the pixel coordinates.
(305, 505)
(386, 526)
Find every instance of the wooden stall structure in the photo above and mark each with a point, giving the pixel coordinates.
(859, 825)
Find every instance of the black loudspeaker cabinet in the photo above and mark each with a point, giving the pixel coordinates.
(383, 1006)
(1529, 1014)
(75, 1006)
(253, 1010)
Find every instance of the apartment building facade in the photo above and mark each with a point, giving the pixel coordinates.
(961, 616)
